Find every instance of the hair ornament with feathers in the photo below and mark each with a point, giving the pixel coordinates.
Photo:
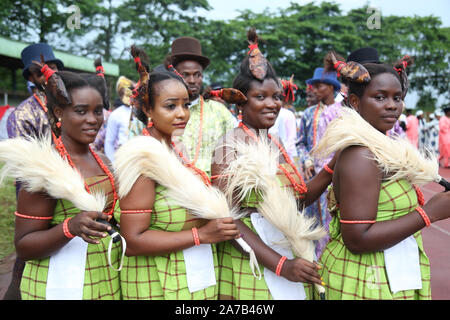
(257, 61)
(229, 95)
(140, 93)
(353, 71)
(54, 84)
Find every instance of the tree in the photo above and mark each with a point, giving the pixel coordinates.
(38, 20)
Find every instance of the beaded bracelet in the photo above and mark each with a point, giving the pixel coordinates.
(280, 265)
(136, 211)
(66, 229)
(31, 217)
(196, 237)
(424, 216)
(328, 169)
(357, 221)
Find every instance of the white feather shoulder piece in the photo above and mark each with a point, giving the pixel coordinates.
(395, 156)
(255, 169)
(36, 163)
(148, 157)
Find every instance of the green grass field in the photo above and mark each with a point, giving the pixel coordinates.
(7, 208)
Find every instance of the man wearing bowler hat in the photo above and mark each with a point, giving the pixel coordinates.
(29, 118)
(209, 119)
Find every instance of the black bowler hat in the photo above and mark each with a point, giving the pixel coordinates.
(364, 55)
(188, 48)
(33, 52)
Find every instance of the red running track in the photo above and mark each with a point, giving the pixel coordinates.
(436, 240)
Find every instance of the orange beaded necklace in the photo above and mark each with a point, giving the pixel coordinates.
(315, 123)
(43, 106)
(59, 145)
(188, 164)
(299, 187)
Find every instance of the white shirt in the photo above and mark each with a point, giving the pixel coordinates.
(285, 128)
(117, 130)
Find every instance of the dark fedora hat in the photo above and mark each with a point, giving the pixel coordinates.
(33, 52)
(188, 48)
(364, 55)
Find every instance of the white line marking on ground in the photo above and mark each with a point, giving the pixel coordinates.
(440, 229)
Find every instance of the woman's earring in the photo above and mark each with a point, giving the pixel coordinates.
(149, 123)
(239, 115)
(58, 124)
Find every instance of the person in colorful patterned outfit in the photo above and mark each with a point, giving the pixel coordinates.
(325, 85)
(264, 99)
(376, 249)
(46, 226)
(29, 118)
(160, 234)
(209, 119)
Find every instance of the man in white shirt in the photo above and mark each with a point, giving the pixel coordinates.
(119, 119)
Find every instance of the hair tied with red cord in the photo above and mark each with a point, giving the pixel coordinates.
(140, 98)
(99, 70)
(54, 84)
(289, 88)
(171, 68)
(401, 66)
(257, 62)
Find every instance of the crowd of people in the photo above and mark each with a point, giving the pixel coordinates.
(311, 218)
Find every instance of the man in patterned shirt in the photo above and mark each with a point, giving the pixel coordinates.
(29, 117)
(209, 119)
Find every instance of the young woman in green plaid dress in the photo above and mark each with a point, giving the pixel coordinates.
(157, 230)
(259, 112)
(44, 226)
(374, 215)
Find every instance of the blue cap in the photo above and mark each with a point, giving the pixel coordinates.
(325, 77)
(33, 52)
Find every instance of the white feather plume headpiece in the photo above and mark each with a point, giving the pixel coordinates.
(395, 156)
(146, 156)
(255, 169)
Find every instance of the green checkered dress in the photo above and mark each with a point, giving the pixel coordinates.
(236, 278)
(352, 276)
(163, 277)
(100, 281)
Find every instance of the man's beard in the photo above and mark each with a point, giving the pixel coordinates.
(194, 96)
